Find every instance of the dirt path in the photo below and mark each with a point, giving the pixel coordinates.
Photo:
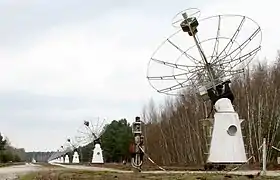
(92, 168)
(12, 172)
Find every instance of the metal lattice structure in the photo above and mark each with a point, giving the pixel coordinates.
(90, 131)
(217, 48)
(72, 143)
(63, 150)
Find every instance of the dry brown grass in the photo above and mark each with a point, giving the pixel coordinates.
(148, 167)
(87, 175)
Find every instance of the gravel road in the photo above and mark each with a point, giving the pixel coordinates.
(12, 172)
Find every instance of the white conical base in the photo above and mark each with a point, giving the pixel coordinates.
(76, 158)
(97, 156)
(62, 159)
(227, 144)
(66, 159)
(33, 160)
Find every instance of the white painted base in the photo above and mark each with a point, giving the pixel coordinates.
(62, 159)
(33, 160)
(66, 159)
(227, 144)
(97, 156)
(76, 158)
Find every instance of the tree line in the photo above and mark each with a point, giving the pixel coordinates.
(9, 153)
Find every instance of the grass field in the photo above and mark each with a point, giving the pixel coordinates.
(87, 175)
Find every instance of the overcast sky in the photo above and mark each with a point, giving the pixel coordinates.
(69, 60)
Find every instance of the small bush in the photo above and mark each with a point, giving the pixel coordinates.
(6, 156)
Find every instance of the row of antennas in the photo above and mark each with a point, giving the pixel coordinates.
(89, 132)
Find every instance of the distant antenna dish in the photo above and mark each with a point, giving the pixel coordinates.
(203, 53)
(90, 131)
(64, 149)
(72, 143)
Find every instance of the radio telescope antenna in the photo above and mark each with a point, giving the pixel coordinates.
(91, 132)
(202, 57)
(203, 53)
(74, 145)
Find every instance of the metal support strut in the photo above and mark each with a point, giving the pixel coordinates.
(190, 25)
(137, 148)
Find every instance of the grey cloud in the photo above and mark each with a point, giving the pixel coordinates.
(20, 100)
(19, 104)
(22, 21)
